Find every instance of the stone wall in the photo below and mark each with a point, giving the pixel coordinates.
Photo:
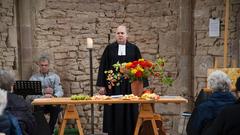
(61, 29)
(8, 39)
(207, 49)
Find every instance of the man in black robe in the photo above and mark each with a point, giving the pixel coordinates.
(118, 119)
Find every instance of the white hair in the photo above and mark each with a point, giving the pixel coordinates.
(3, 100)
(219, 81)
(6, 80)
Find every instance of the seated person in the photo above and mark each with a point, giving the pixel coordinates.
(237, 86)
(228, 120)
(19, 111)
(207, 111)
(5, 124)
(51, 88)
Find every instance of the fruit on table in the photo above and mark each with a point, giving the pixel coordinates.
(150, 96)
(80, 97)
(147, 91)
(100, 97)
(129, 97)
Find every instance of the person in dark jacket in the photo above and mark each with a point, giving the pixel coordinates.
(204, 114)
(5, 124)
(228, 121)
(17, 109)
(118, 119)
(8, 123)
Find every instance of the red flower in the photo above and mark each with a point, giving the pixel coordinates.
(143, 64)
(134, 64)
(149, 64)
(146, 64)
(139, 74)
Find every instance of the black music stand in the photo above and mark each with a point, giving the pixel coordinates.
(25, 88)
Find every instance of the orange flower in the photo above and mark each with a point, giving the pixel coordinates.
(128, 65)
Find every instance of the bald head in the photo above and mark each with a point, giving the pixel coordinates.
(121, 34)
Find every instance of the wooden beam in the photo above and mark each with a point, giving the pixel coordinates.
(226, 19)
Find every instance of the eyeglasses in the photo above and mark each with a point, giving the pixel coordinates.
(120, 33)
(44, 65)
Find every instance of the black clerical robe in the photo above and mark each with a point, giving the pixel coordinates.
(118, 119)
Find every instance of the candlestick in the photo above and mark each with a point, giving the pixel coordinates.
(89, 43)
(90, 48)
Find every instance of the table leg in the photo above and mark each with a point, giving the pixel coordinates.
(71, 113)
(155, 129)
(139, 123)
(146, 112)
(63, 125)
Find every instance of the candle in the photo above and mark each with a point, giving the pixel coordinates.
(89, 43)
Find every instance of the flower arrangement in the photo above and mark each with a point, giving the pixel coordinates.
(138, 70)
(113, 78)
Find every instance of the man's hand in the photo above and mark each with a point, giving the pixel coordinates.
(48, 90)
(102, 91)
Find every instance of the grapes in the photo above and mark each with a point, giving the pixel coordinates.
(80, 97)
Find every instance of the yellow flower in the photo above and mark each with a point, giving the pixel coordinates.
(140, 68)
(141, 59)
(133, 71)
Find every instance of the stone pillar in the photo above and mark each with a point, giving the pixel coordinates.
(25, 38)
(184, 82)
(185, 47)
(236, 43)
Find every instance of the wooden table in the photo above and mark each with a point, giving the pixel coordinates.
(146, 111)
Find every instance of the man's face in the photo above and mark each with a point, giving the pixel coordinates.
(121, 35)
(44, 66)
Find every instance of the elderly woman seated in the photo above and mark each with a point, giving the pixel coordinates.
(204, 114)
(18, 110)
(228, 120)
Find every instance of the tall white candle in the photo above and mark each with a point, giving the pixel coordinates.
(89, 43)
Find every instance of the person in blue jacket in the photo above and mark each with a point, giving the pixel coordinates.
(204, 114)
(228, 121)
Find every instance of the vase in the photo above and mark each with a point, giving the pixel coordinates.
(137, 88)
